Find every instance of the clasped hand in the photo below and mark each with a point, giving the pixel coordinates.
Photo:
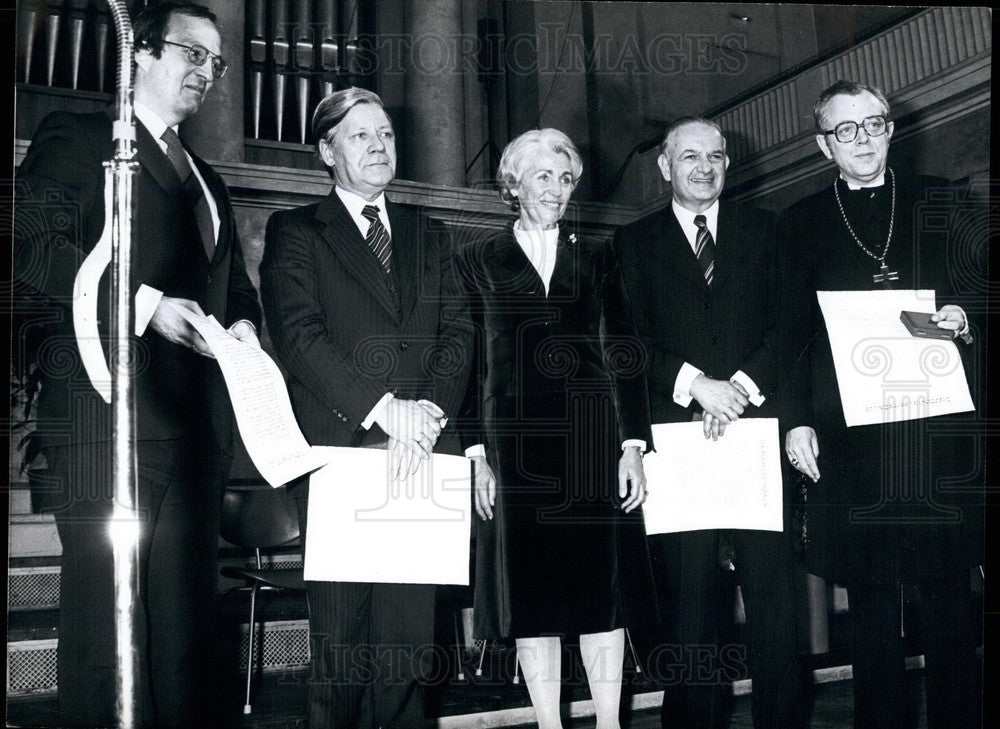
(722, 401)
(413, 427)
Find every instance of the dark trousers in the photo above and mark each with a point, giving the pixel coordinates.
(952, 676)
(690, 661)
(179, 496)
(372, 648)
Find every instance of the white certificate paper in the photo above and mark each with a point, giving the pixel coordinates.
(362, 527)
(698, 483)
(885, 374)
(261, 405)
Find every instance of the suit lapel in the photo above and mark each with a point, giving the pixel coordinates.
(566, 268)
(347, 244)
(407, 255)
(676, 250)
(513, 269)
(728, 245)
(155, 162)
(158, 165)
(222, 207)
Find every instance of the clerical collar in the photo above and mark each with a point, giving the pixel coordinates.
(884, 276)
(877, 182)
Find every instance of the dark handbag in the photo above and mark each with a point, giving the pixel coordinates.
(798, 494)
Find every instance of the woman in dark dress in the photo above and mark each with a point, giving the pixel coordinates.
(560, 397)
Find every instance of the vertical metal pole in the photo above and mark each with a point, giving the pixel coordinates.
(124, 526)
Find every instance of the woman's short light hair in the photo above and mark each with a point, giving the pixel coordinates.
(517, 157)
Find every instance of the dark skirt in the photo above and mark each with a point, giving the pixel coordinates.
(560, 556)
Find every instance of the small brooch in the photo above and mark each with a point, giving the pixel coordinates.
(572, 238)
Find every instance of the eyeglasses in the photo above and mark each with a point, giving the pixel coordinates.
(198, 54)
(847, 131)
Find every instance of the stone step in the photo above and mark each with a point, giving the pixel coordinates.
(20, 498)
(33, 535)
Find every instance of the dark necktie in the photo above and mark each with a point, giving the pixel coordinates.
(377, 237)
(191, 189)
(704, 248)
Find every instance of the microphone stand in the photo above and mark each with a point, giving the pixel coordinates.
(124, 526)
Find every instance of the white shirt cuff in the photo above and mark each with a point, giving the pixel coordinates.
(249, 323)
(965, 329)
(637, 442)
(146, 300)
(477, 450)
(750, 386)
(682, 385)
(376, 411)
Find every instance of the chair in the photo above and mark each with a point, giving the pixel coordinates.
(256, 516)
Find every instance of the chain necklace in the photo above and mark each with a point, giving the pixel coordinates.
(885, 275)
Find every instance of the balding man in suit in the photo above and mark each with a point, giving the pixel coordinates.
(700, 278)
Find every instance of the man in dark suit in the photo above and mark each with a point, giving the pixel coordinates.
(371, 324)
(187, 257)
(700, 278)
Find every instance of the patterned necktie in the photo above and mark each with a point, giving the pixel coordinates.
(377, 237)
(704, 248)
(191, 190)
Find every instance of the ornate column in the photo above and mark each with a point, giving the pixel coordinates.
(433, 147)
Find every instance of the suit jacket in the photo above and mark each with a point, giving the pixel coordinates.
(897, 501)
(60, 213)
(680, 318)
(559, 385)
(531, 344)
(347, 334)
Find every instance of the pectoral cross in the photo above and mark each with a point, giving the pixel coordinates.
(885, 276)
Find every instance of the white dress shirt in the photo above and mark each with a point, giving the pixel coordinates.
(540, 248)
(147, 298)
(688, 372)
(355, 204)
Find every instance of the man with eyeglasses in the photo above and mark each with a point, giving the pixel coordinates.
(187, 257)
(897, 516)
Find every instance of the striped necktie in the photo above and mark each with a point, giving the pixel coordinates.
(704, 248)
(377, 237)
(191, 190)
